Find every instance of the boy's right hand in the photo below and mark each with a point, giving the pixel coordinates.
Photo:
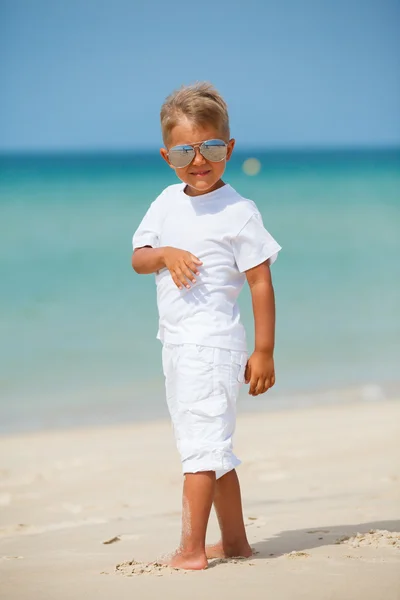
(182, 265)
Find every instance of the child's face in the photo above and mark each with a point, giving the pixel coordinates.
(201, 175)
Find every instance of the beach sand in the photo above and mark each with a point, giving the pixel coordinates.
(321, 493)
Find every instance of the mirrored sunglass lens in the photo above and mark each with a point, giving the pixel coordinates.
(181, 156)
(214, 150)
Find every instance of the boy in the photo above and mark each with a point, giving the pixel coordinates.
(203, 240)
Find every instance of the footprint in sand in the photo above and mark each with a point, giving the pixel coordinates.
(296, 554)
(235, 560)
(134, 567)
(378, 538)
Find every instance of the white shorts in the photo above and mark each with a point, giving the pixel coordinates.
(202, 385)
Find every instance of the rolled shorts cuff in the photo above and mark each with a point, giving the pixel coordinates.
(216, 461)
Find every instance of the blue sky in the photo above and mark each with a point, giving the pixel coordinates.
(91, 74)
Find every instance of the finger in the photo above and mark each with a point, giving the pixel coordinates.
(196, 260)
(188, 273)
(181, 277)
(267, 385)
(190, 270)
(253, 385)
(247, 373)
(176, 280)
(192, 267)
(260, 386)
(272, 380)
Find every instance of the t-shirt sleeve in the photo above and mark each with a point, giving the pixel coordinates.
(148, 232)
(253, 245)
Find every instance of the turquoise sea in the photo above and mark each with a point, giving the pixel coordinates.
(77, 326)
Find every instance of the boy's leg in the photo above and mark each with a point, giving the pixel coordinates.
(228, 506)
(198, 494)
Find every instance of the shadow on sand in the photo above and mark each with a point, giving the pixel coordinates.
(301, 540)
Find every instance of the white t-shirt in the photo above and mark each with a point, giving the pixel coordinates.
(225, 231)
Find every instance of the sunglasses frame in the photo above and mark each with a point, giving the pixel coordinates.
(198, 145)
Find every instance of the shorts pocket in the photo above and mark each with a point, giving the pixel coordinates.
(239, 362)
(195, 374)
(211, 407)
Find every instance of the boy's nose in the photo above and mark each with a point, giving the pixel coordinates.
(199, 158)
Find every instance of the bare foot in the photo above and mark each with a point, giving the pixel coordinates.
(220, 551)
(182, 560)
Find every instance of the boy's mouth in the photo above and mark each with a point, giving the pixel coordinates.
(201, 173)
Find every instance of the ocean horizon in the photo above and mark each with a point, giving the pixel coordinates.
(78, 326)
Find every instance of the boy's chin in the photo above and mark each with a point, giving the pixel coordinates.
(201, 185)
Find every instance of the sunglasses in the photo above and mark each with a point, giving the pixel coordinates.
(212, 150)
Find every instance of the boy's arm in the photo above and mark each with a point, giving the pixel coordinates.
(260, 372)
(181, 264)
(148, 260)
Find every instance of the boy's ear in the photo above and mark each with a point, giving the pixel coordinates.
(164, 154)
(231, 145)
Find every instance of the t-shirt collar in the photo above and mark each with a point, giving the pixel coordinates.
(206, 197)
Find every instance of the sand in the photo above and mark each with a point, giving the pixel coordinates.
(84, 511)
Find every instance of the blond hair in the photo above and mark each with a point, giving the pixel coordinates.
(200, 103)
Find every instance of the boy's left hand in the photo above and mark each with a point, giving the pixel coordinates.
(260, 372)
